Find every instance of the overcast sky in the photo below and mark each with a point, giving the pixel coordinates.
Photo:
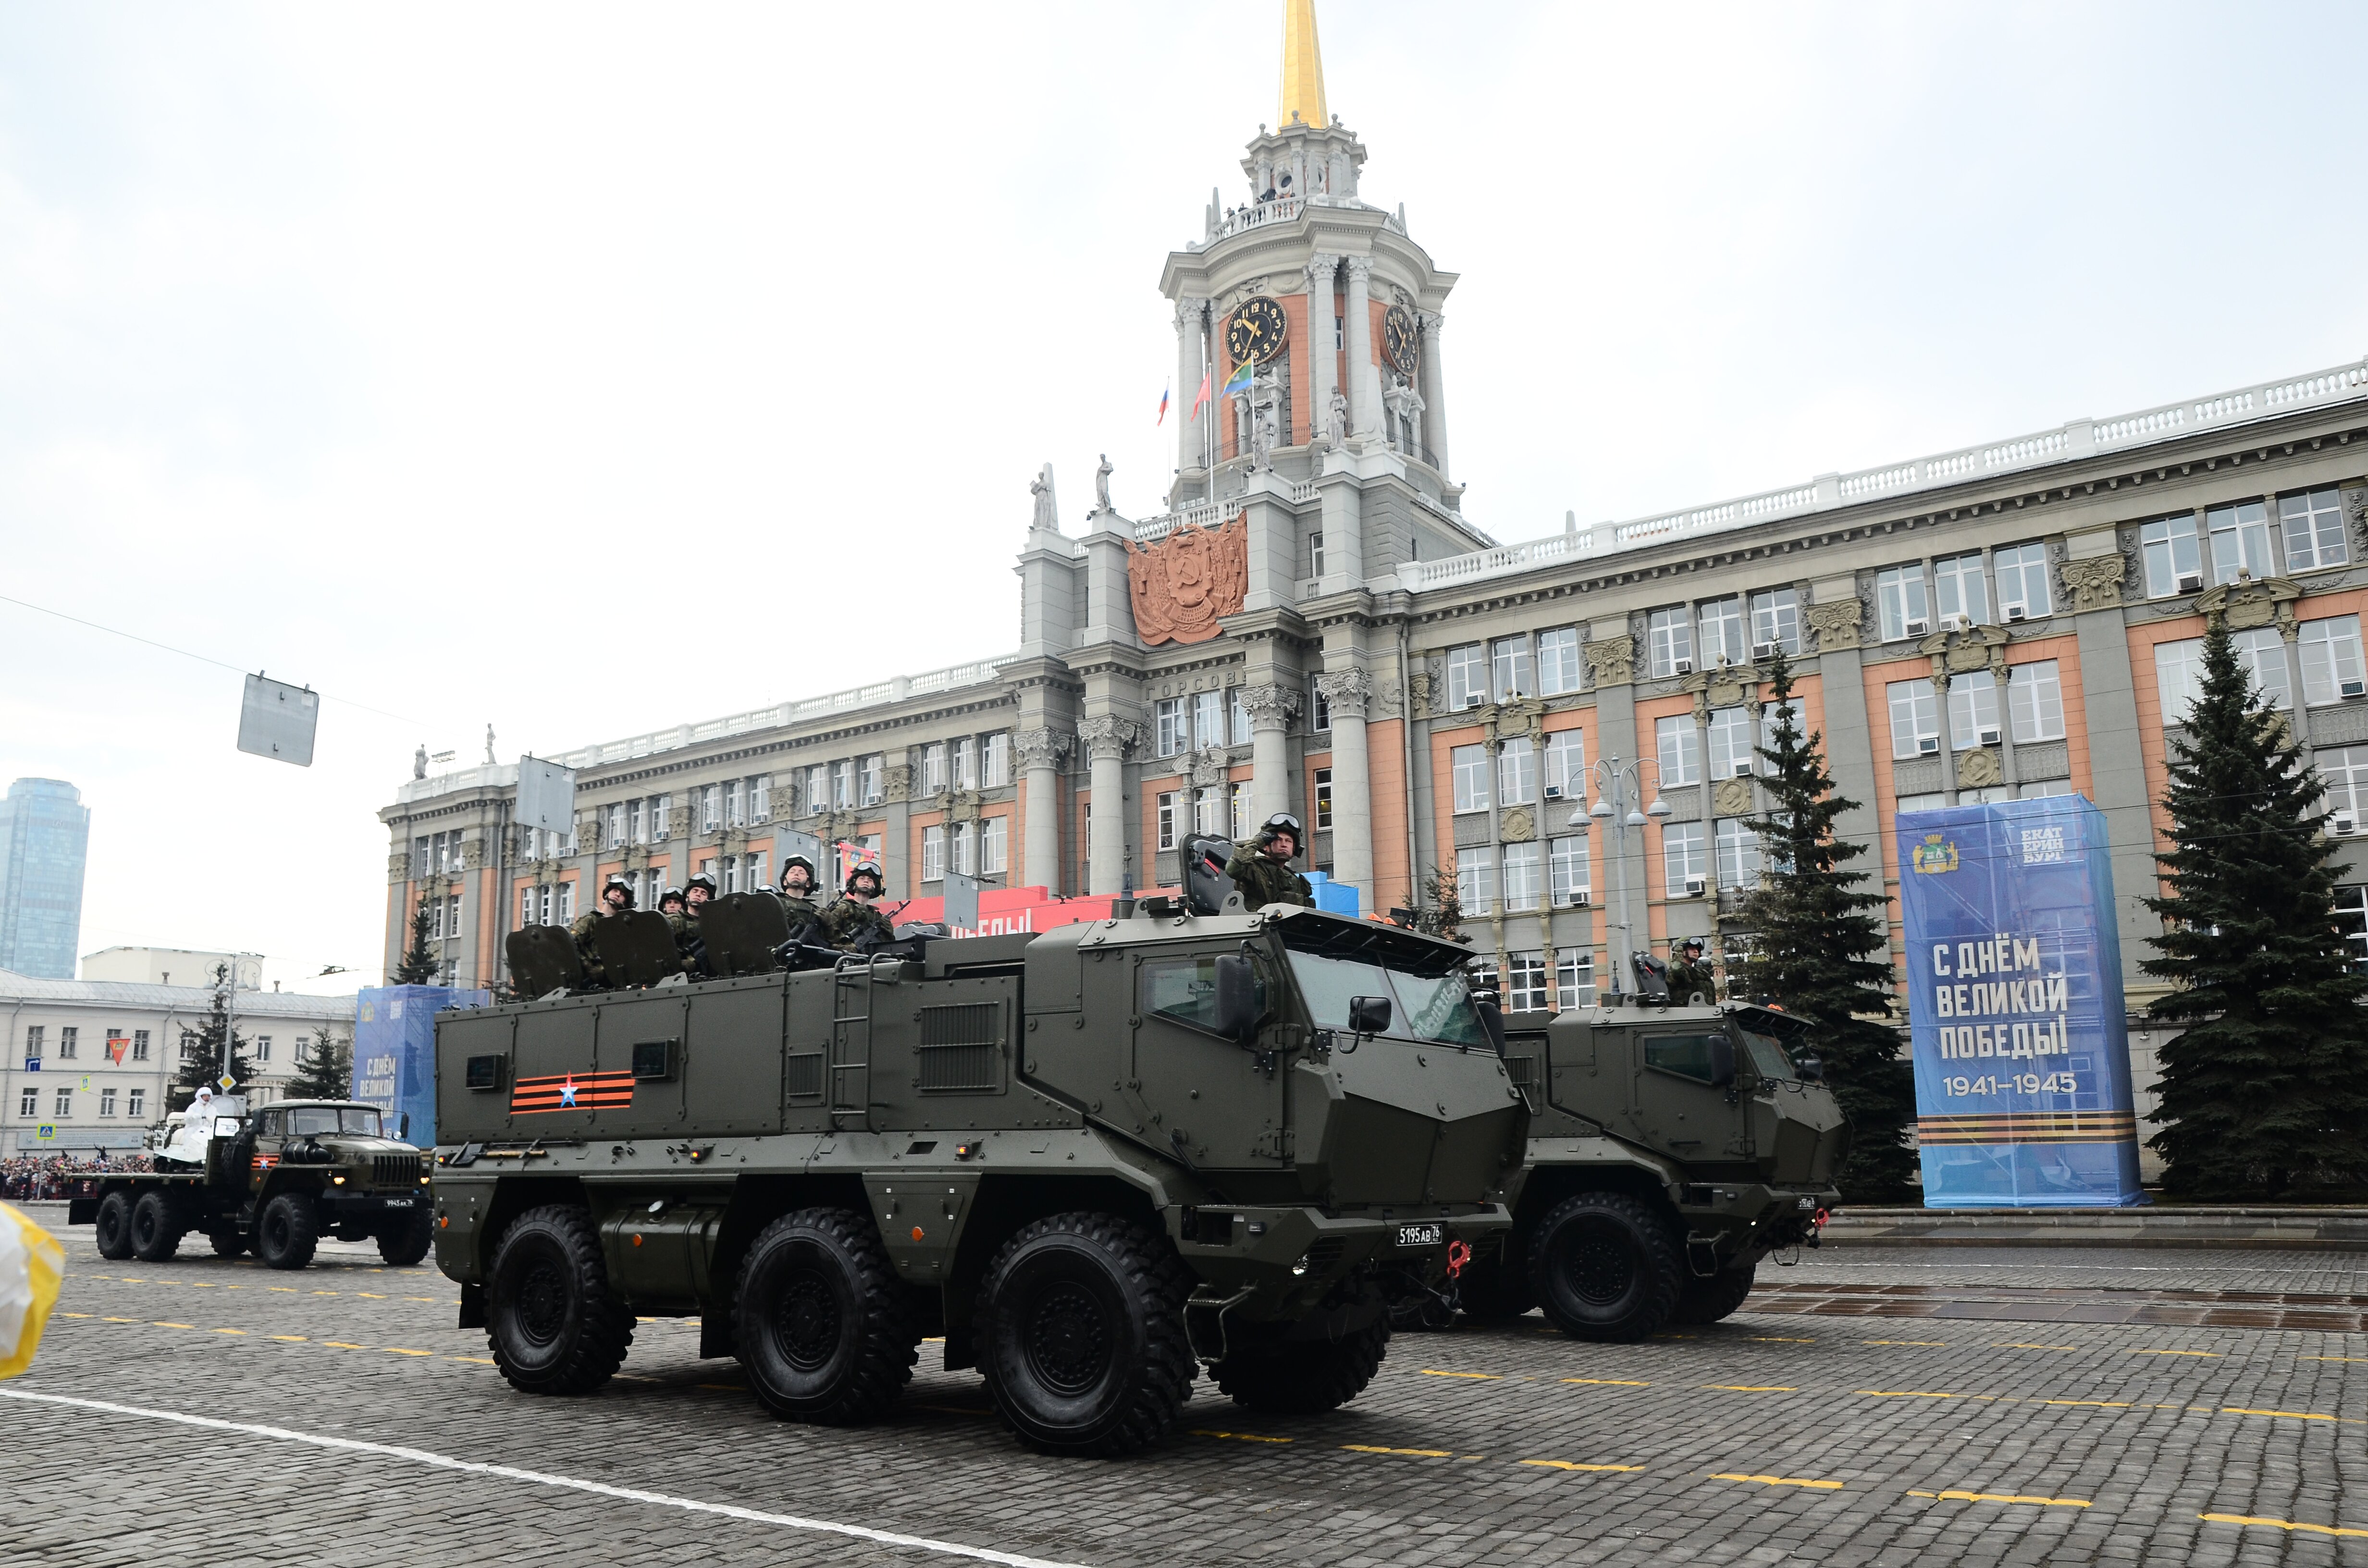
(585, 369)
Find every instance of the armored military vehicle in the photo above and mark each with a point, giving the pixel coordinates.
(1095, 1160)
(274, 1179)
(1671, 1148)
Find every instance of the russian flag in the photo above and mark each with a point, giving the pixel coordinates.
(1203, 396)
(1163, 407)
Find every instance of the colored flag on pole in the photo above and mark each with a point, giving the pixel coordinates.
(1203, 396)
(1239, 381)
(1163, 407)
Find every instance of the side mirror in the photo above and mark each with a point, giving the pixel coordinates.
(1492, 1023)
(1238, 1008)
(402, 1128)
(1722, 1061)
(1811, 1068)
(1368, 1014)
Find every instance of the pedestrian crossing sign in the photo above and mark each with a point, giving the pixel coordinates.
(46, 1132)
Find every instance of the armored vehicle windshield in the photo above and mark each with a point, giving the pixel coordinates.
(315, 1120)
(1422, 980)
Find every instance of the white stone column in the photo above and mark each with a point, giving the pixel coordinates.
(1434, 392)
(1190, 451)
(1323, 360)
(1106, 737)
(1039, 753)
(1345, 692)
(1271, 707)
(1364, 418)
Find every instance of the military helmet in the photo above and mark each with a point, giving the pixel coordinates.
(672, 895)
(1283, 821)
(1691, 943)
(700, 880)
(814, 878)
(618, 884)
(867, 869)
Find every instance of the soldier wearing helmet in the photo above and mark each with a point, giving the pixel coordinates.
(695, 894)
(670, 903)
(852, 924)
(798, 888)
(615, 899)
(1689, 975)
(1261, 864)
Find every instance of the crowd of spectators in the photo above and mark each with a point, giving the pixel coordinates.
(26, 1179)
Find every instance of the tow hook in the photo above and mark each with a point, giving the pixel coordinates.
(1459, 1252)
(1817, 1226)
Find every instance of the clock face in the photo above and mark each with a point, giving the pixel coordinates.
(1257, 331)
(1398, 340)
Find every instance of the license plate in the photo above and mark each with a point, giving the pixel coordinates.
(1421, 1235)
(398, 1203)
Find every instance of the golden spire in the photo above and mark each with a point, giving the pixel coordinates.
(1303, 67)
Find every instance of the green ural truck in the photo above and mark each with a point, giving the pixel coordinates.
(1670, 1149)
(274, 1179)
(1095, 1160)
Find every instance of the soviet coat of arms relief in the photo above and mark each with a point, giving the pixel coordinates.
(1188, 582)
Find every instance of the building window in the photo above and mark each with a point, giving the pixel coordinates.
(2313, 524)
(616, 832)
(303, 1049)
(1475, 879)
(2330, 660)
(1315, 554)
(69, 1042)
(1323, 798)
(62, 1106)
(933, 769)
(107, 1102)
(1670, 641)
(1569, 883)
(965, 837)
(661, 820)
(2263, 651)
(2174, 556)
(1731, 743)
(1738, 854)
(1769, 712)
(1574, 979)
(2351, 916)
(2023, 582)
(735, 806)
(2240, 540)
(29, 1104)
(761, 798)
(1972, 710)
(188, 1045)
(711, 807)
(2043, 789)
(1208, 809)
(2344, 770)
(1240, 794)
(1470, 767)
(1168, 808)
(1241, 710)
(1517, 773)
(37, 1037)
(1677, 746)
(1682, 858)
(1167, 725)
(1319, 708)
(135, 1103)
(1509, 669)
(1915, 718)
(262, 1052)
(1467, 677)
(1931, 802)
(1958, 588)
(994, 847)
(1525, 982)
(566, 903)
(2178, 677)
(1524, 864)
(1567, 766)
(452, 918)
(994, 761)
(1558, 663)
(1902, 604)
(933, 853)
(138, 1045)
(817, 789)
(842, 785)
(1719, 627)
(1208, 718)
(2035, 701)
(965, 764)
(1776, 620)
(875, 779)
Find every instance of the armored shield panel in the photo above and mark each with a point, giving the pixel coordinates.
(636, 947)
(1201, 867)
(543, 960)
(1652, 978)
(741, 930)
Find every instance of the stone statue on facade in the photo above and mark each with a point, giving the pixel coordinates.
(420, 762)
(489, 746)
(1101, 486)
(1048, 514)
(1336, 421)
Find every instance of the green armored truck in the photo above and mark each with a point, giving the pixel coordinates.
(1095, 1160)
(1670, 1149)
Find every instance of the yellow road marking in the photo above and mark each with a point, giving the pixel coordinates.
(1751, 1388)
(198, 1284)
(1415, 1453)
(229, 1331)
(176, 1325)
(1780, 1480)
(1566, 1464)
(340, 1344)
(374, 1296)
(2279, 1524)
(1996, 1347)
(479, 1360)
(2002, 1497)
(1242, 1437)
(399, 1350)
(1929, 1344)
(2290, 1414)
(1609, 1382)
(2331, 1357)
(2106, 1403)
(74, 1314)
(1775, 1339)
(327, 1292)
(2209, 1355)
(291, 1339)
(282, 1290)
(430, 1300)
(1487, 1377)
(119, 1320)
(1906, 1394)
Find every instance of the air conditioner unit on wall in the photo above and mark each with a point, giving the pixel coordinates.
(1742, 770)
(2342, 825)
(2354, 688)
(1927, 745)
(2016, 612)
(1685, 666)
(1953, 621)
(1578, 897)
(1918, 626)
(1989, 737)
(1696, 887)
(1553, 791)
(2191, 582)
(1474, 701)
(1762, 651)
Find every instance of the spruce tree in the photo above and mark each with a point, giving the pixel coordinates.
(1822, 951)
(220, 1048)
(328, 1073)
(419, 966)
(2266, 1086)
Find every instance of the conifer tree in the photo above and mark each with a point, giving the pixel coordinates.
(328, 1072)
(220, 1048)
(1440, 913)
(418, 966)
(2266, 1086)
(1822, 949)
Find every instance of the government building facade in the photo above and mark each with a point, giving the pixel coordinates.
(1314, 626)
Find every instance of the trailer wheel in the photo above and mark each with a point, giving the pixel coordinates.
(820, 1319)
(1606, 1267)
(115, 1226)
(405, 1239)
(287, 1231)
(1306, 1379)
(156, 1228)
(1708, 1300)
(1080, 1335)
(549, 1317)
(228, 1242)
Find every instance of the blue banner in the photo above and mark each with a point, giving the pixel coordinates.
(2014, 985)
(394, 1052)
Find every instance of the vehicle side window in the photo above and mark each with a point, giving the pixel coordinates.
(268, 1124)
(1184, 990)
(1687, 1055)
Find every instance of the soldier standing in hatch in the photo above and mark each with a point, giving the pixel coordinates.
(1688, 975)
(851, 924)
(615, 900)
(1261, 865)
(695, 894)
(797, 895)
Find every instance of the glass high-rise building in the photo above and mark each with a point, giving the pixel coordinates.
(44, 837)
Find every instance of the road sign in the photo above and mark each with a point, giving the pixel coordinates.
(45, 1132)
(32, 1065)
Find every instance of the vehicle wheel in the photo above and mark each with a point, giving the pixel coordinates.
(1707, 1301)
(405, 1241)
(227, 1243)
(820, 1319)
(1080, 1335)
(1495, 1289)
(549, 1319)
(1606, 1267)
(156, 1229)
(115, 1226)
(1306, 1379)
(288, 1231)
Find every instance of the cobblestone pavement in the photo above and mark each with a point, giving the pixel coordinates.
(1768, 1439)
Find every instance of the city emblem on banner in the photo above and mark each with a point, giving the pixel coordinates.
(116, 1046)
(1933, 857)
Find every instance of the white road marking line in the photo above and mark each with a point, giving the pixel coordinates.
(543, 1477)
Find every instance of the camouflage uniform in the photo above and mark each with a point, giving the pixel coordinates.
(801, 912)
(687, 940)
(851, 926)
(586, 953)
(1264, 881)
(1685, 979)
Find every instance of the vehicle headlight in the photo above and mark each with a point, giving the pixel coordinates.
(337, 1181)
(1301, 1267)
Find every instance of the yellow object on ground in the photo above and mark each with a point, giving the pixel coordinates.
(31, 1266)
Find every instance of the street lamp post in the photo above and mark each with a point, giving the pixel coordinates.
(1618, 786)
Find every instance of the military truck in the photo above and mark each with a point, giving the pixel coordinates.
(1671, 1148)
(1095, 1160)
(274, 1179)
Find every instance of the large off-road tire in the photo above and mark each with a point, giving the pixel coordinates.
(549, 1317)
(1080, 1335)
(1606, 1267)
(820, 1319)
(156, 1228)
(1494, 1290)
(1707, 1301)
(228, 1241)
(287, 1231)
(1306, 1379)
(115, 1226)
(405, 1239)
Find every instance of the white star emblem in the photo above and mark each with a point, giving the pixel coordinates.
(567, 1091)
